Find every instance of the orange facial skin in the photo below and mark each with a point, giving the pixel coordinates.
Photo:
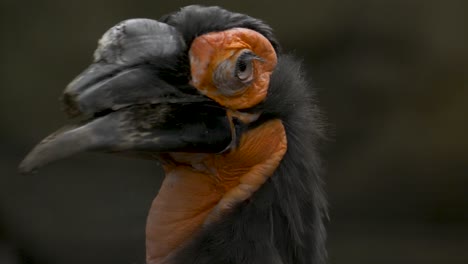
(199, 189)
(209, 50)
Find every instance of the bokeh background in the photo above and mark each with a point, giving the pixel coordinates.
(392, 78)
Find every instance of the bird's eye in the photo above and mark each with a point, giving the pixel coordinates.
(233, 75)
(244, 67)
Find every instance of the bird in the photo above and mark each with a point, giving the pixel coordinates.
(232, 119)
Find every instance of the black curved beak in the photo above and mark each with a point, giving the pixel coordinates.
(134, 100)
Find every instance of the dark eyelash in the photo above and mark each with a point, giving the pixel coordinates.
(249, 56)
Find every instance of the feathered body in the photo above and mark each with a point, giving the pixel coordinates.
(156, 88)
(283, 221)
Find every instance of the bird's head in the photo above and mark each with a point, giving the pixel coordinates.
(150, 90)
(206, 92)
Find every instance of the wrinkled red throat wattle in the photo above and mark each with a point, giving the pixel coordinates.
(200, 188)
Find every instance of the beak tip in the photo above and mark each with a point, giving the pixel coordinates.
(26, 168)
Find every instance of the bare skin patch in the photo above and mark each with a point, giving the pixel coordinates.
(218, 54)
(232, 67)
(200, 188)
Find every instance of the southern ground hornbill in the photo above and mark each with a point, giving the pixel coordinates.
(208, 94)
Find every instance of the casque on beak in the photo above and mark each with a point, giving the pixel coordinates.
(133, 100)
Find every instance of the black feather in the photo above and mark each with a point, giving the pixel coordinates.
(193, 21)
(283, 221)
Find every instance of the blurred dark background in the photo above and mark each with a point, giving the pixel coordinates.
(392, 78)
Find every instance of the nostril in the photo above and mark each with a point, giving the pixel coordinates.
(70, 107)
